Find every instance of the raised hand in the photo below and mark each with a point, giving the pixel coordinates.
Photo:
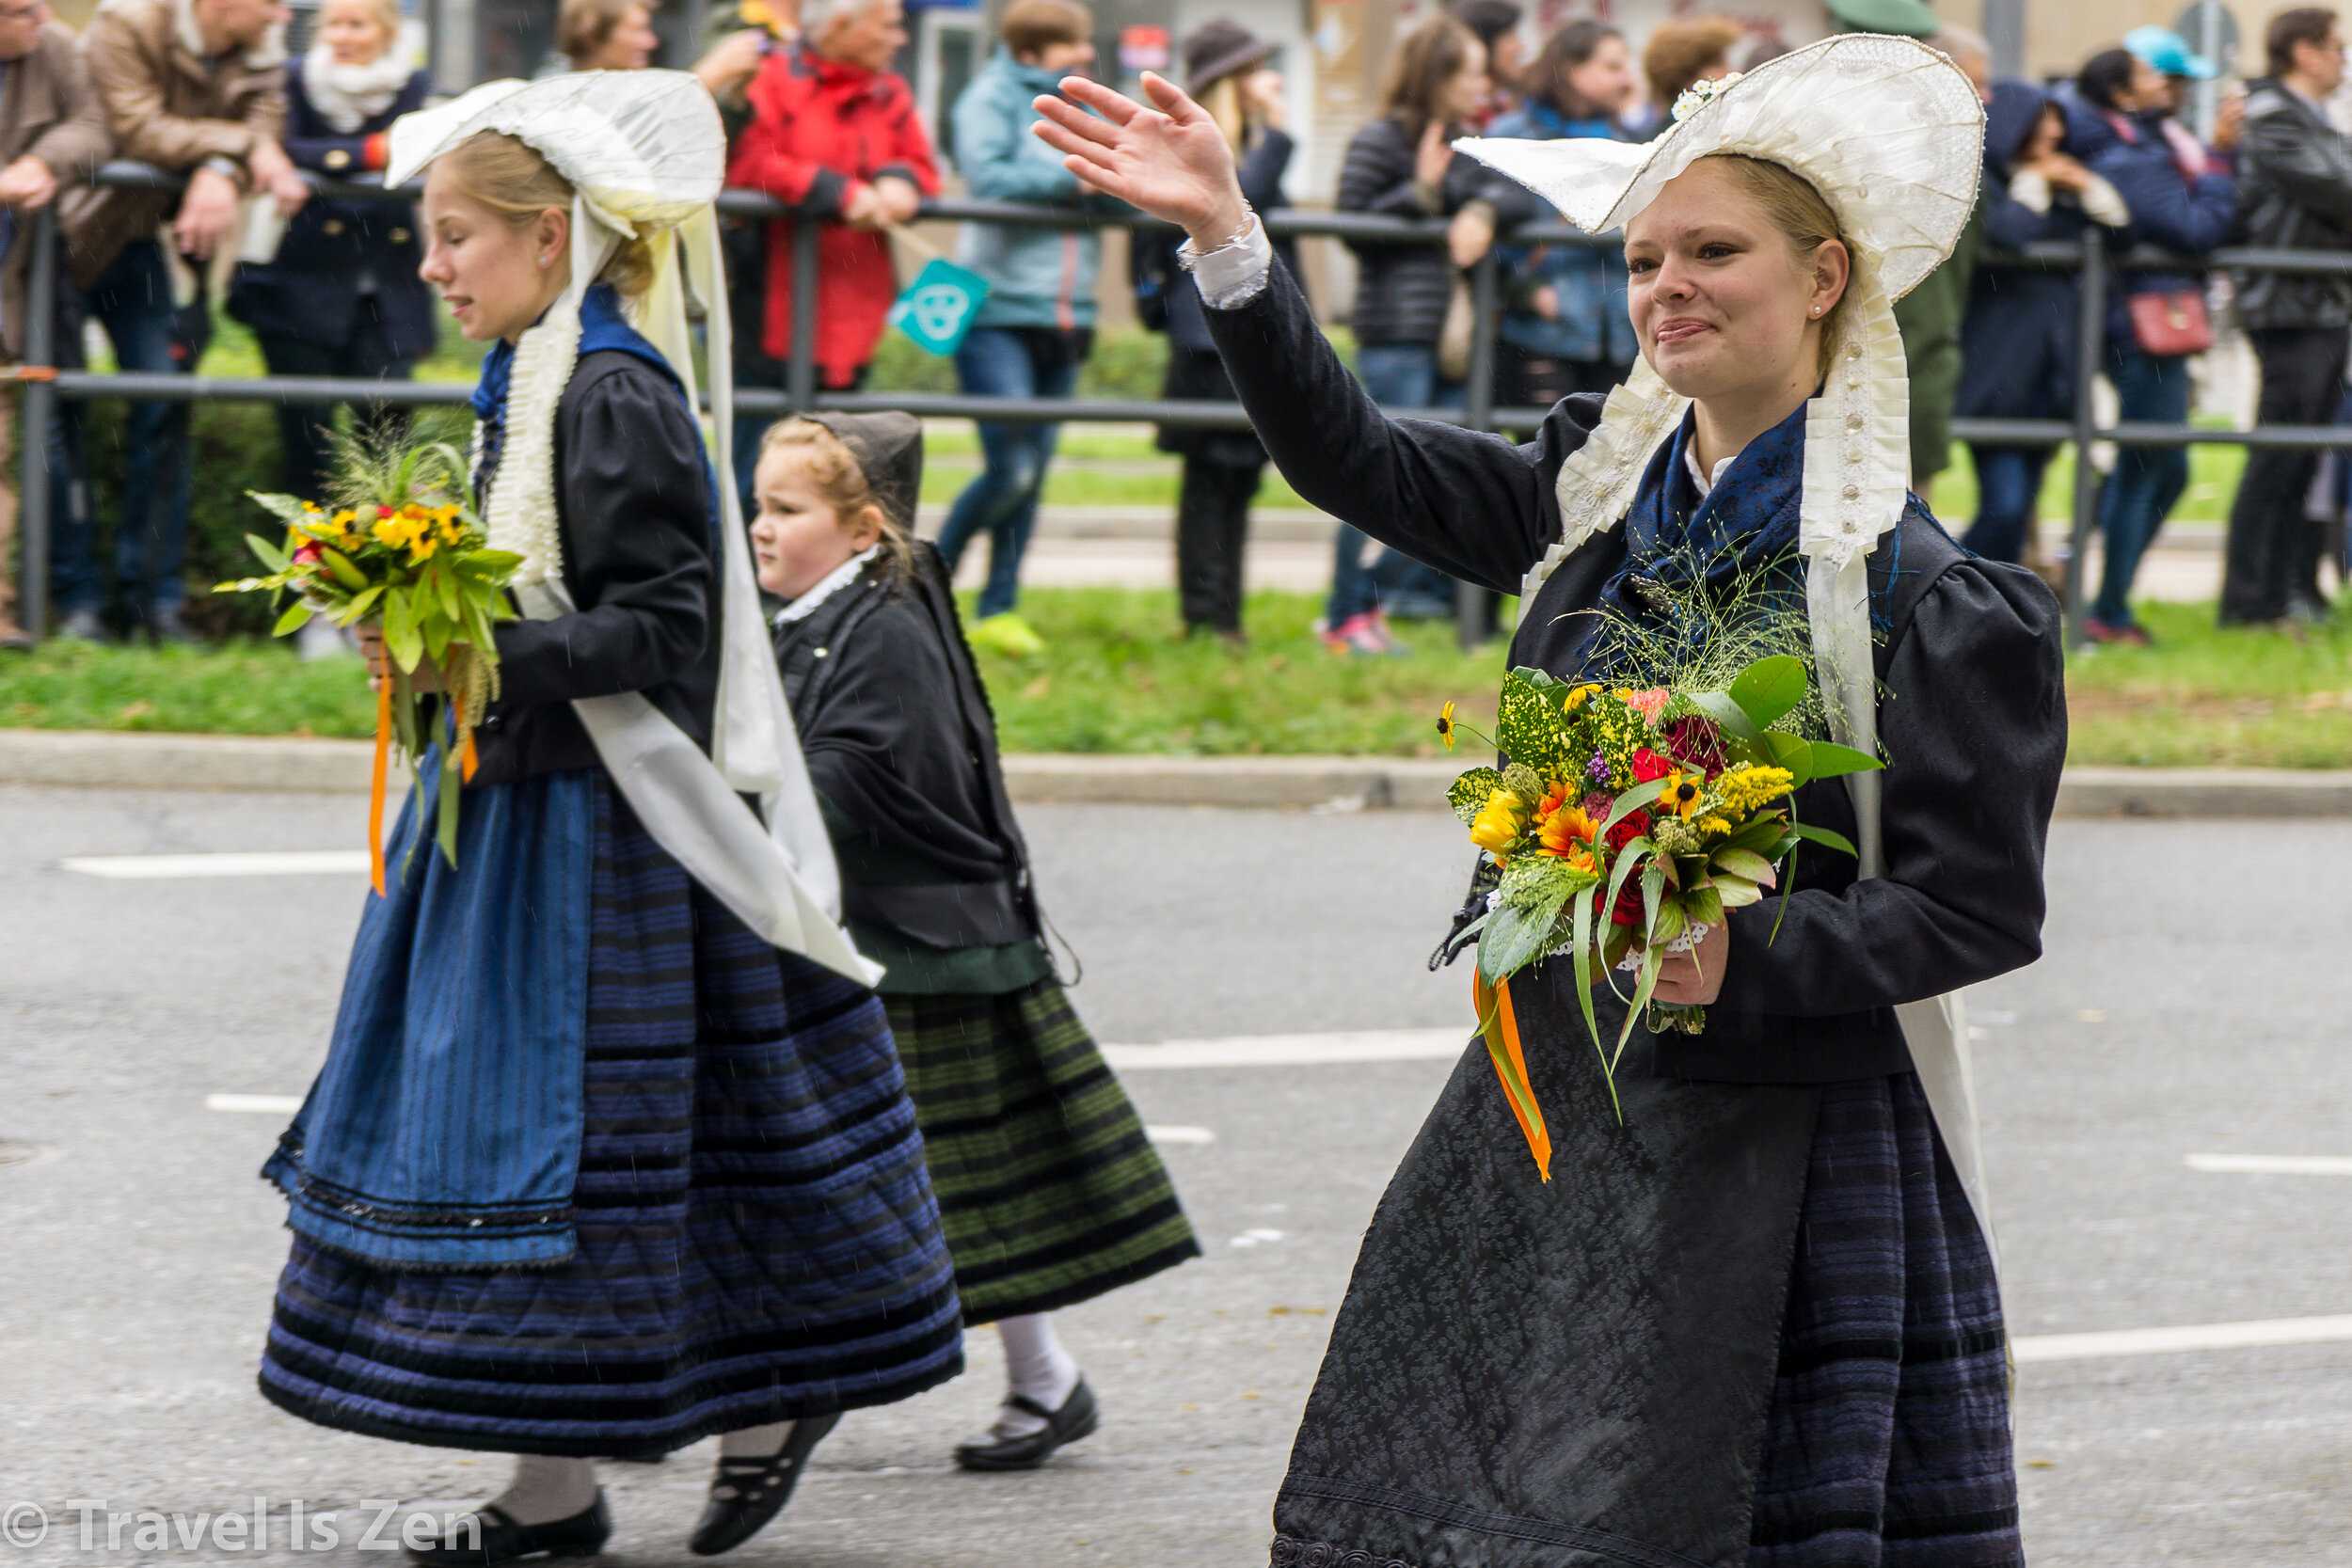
(1171, 161)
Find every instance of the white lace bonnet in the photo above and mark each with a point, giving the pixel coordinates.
(646, 155)
(1891, 132)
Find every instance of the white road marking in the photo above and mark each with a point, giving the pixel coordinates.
(2273, 1164)
(2190, 1337)
(1175, 1135)
(1361, 1045)
(264, 1104)
(260, 863)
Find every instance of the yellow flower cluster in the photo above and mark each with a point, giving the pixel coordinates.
(1748, 789)
(335, 531)
(421, 530)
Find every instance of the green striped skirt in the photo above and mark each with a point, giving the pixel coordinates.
(1048, 1189)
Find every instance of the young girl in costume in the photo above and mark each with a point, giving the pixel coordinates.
(611, 1151)
(1049, 1190)
(1758, 1322)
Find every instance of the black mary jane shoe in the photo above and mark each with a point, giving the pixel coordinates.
(501, 1540)
(1075, 1420)
(756, 1489)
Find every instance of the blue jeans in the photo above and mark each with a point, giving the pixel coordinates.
(2008, 490)
(2147, 480)
(1394, 376)
(998, 362)
(131, 299)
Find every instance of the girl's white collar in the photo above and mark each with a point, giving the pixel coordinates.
(839, 578)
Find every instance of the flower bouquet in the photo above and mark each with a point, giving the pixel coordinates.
(1622, 826)
(404, 546)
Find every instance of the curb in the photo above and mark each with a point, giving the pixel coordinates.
(99, 760)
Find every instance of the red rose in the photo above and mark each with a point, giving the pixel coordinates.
(309, 554)
(1625, 832)
(383, 512)
(1648, 764)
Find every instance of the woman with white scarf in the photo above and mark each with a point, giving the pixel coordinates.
(340, 295)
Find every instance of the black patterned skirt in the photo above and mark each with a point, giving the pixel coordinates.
(1888, 1438)
(1049, 1191)
(757, 1240)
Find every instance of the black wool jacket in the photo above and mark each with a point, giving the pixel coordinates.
(633, 504)
(1972, 715)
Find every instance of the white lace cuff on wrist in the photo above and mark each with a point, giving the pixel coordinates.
(1234, 273)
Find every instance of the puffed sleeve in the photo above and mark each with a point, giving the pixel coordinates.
(637, 546)
(1973, 722)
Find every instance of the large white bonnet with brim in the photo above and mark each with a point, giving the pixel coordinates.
(646, 156)
(1891, 133)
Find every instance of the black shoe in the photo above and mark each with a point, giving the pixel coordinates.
(501, 1540)
(756, 1489)
(1074, 1420)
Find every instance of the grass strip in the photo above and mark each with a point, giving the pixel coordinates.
(1117, 677)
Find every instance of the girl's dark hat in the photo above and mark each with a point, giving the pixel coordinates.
(1218, 49)
(889, 447)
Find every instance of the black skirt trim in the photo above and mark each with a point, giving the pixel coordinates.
(1508, 1527)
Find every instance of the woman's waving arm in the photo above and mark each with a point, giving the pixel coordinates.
(1468, 503)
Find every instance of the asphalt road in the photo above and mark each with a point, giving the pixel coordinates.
(2192, 1001)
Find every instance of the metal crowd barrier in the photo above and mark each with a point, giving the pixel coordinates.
(44, 384)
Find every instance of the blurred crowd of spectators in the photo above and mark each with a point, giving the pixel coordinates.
(816, 117)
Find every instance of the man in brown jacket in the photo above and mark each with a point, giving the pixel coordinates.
(51, 131)
(192, 87)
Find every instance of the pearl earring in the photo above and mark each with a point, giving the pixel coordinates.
(550, 261)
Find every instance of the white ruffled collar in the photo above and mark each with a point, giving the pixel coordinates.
(834, 581)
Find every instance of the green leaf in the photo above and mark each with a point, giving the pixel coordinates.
(297, 613)
(1733, 718)
(434, 628)
(1467, 795)
(1531, 728)
(272, 557)
(1736, 892)
(1746, 864)
(400, 631)
(356, 607)
(1769, 688)
(1793, 753)
(1516, 936)
(1760, 834)
(1704, 906)
(1668, 923)
(1832, 761)
(1828, 837)
(445, 584)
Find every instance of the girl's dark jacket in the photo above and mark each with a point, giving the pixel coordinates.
(901, 746)
(1527, 1375)
(310, 288)
(1402, 290)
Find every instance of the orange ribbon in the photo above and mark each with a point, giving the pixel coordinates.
(375, 793)
(1501, 1029)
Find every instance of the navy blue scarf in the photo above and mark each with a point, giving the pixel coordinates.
(1746, 530)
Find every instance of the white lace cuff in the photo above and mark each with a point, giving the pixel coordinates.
(1234, 273)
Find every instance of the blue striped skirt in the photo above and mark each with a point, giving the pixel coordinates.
(757, 1237)
(1888, 1444)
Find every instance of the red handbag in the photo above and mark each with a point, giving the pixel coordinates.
(2171, 322)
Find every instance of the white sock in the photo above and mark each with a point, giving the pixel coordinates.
(756, 1442)
(1037, 1366)
(545, 1489)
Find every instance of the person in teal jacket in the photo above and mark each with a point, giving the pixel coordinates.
(1036, 325)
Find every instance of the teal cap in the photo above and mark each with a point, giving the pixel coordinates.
(2169, 52)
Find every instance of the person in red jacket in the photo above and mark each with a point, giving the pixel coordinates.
(836, 136)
